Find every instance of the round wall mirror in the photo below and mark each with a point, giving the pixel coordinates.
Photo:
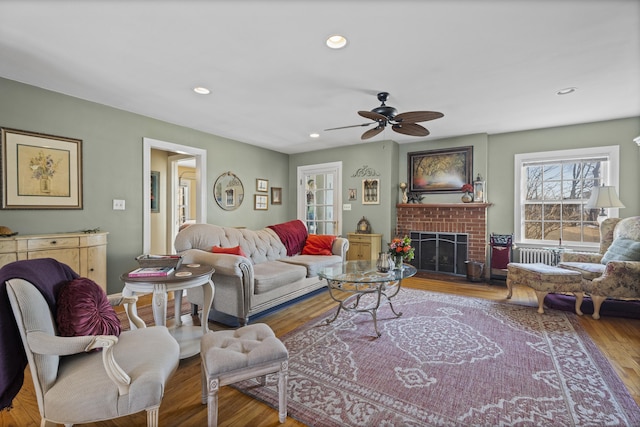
(228, 191)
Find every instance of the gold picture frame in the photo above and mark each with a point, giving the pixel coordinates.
(260, 202)
(262, 185)
(40, 171)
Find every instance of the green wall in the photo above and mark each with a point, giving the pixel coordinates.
(112, 169)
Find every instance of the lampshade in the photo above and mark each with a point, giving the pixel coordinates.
(604, 197)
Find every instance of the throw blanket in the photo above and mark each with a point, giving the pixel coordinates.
(293, 235)
(47, 275)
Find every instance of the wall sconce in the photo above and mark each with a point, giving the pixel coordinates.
(602, 198)
(403, 187)
(479, 192)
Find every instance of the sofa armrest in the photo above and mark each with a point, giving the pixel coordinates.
(224, 264)
(590, 257)
(340, 247)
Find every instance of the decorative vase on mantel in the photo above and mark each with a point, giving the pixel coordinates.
(467, 198)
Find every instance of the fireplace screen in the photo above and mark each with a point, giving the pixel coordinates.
(440, 252)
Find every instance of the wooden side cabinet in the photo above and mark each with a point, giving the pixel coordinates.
(86, 254)
(363, 246)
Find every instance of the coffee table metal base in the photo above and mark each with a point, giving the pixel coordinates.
(355, 291)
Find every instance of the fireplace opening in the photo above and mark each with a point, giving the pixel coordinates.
(440, 252)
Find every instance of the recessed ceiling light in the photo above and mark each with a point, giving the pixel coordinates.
(314, 135)
(201, 90)
(336, 42)
(566, 91)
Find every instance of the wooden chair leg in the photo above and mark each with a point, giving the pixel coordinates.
(579, 298)
(541, 295)
(283, 376)
(212, 402)
(597, 303)
(152, 416)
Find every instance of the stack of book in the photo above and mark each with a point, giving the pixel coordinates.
(152, 271)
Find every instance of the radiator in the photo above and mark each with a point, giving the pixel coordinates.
(533, 255)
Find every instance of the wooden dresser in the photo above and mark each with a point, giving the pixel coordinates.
(363, 246)
(85, 253)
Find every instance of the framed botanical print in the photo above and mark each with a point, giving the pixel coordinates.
(40, 171)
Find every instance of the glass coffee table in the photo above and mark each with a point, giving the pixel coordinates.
(350, 281)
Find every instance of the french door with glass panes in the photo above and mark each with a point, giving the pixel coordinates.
(320, 197)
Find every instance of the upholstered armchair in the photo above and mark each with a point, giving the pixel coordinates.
(615, 271)
(88, 378)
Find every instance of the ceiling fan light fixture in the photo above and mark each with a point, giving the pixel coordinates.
(336, 42)
(314, 135)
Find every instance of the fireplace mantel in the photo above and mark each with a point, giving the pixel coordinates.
(444, 205)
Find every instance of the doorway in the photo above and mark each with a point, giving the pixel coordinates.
(200, 173)
(320, 197)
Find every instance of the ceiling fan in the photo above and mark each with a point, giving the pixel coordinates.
(404, 123)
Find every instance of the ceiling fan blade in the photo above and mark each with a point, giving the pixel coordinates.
(372, 132)
(373, 116)
(352, 126)
(411, 129)
(417, 116)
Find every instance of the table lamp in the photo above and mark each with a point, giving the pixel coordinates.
(602, 198)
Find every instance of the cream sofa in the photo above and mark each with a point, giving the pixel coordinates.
(264, 278)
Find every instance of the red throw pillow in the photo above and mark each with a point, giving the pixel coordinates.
(236, 250)
(318, 244)
(83, 309)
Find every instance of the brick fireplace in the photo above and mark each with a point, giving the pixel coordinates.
(468, 218)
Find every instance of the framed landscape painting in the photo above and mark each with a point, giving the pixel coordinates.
(40, 171)
(440, 171)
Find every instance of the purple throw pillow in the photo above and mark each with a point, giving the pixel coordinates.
(83, 309)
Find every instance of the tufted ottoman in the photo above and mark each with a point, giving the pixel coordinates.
(543, 278)
(241, 354)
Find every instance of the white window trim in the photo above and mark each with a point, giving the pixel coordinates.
(612, 178)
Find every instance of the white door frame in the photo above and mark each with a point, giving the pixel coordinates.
(333, 167)
(201, 180)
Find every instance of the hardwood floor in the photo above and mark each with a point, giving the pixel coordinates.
(618, 339)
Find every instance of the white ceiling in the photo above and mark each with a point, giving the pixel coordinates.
(489, 66)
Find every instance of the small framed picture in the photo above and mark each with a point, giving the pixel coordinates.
(276, 195)
(155, 191)
(371, 191)
(262, 185)
(261, 202)
(353, 194)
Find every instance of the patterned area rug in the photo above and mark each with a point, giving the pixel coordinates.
(449, 361)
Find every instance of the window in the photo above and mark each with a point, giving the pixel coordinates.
(552, 189)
